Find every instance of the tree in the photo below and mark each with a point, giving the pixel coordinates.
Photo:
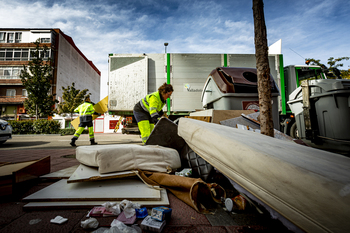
(263, 69)
(71, 99)
(37, 80)
(332, 63)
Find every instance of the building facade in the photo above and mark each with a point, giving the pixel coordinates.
(70, 65)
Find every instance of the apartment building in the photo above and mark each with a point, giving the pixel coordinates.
(70, 65)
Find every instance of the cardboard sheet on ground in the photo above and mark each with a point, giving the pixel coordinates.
(101, 107)
(307, 186)
(85, 173)
(105, 190)
(126, 157)
(164, 201)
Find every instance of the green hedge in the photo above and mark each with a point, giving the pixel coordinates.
(35, 127)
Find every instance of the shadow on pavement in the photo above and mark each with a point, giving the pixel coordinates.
(10, 144)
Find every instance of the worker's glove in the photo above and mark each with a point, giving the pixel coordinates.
(155, 119)
(161, 113)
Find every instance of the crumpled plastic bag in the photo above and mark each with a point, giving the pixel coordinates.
(89, 223)
(129, 208)
(112, 207)
(121, 227)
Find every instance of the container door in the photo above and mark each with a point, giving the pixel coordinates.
(128, 81)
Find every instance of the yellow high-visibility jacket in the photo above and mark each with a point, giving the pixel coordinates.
(152, 103)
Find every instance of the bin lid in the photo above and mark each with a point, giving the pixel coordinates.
(238, 80)
(327, 85)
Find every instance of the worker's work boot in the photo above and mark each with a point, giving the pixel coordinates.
(72, 143)
(92, 142)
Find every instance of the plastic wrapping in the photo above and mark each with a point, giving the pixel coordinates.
(89, 223)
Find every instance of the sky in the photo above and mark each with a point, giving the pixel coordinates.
(316, 29)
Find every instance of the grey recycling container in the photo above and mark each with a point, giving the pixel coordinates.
(330, 111)
(236, 88)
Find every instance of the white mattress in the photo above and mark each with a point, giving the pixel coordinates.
(124, 157)
(307, 186)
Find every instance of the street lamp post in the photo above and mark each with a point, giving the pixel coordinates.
(166, 44)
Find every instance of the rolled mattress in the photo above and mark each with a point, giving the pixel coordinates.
(124, 157)
(307, 186)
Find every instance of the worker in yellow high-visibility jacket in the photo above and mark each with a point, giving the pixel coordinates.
(148, 110)
(85, 110)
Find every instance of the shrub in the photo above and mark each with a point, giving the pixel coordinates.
(35, 127)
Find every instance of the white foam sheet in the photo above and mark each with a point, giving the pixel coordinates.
(103, 190)
(307, 186)
(126, 157)
(85, 204)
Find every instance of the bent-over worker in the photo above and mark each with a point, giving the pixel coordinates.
(149, 109)
(85, 110)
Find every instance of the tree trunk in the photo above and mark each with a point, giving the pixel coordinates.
(263, 69)
(36, 112)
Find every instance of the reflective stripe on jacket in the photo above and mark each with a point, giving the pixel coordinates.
(152, 103)
(85, 109)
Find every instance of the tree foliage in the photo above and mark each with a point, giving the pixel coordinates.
(36, 79)
(71, 99)
(332, 63)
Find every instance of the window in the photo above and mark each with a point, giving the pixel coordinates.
(2, 37)
(10, 92)
(44, 40)
(20, 54)
(24, 93)
(18, 37)
(9, 54)
(25, 53)
(10, 37)
(2, 54)
(10, 72)
(17, 55)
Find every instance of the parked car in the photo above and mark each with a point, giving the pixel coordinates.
(5, 131)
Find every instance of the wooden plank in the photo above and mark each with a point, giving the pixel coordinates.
(105, 190)
(32, 171)
(200, 118)
(220, 115)
(164, 201)
(13, 174)
(8, 169)
(86, 173)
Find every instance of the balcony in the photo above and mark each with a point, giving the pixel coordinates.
(18, 99)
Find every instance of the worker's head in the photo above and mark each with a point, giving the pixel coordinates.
(166, 90)
(87, 99)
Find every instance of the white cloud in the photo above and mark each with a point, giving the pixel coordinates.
(316, 28)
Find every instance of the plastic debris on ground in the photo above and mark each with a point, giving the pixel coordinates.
(129, 208)
(141, 213)
(59, 220)
(238, 202)
(105, 210)
(89, 223)
(149, 224)
(161, 213)
(122, 218)
(187, 172)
